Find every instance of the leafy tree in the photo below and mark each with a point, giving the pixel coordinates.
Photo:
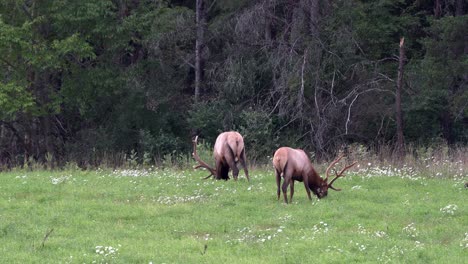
(99, 82)
(439, 107)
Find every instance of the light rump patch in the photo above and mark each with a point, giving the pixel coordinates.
(229, 149)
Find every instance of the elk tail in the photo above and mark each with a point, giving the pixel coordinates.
(237, 147)
(236, 156)
(234, 148)
(284, 169)
(231, 151)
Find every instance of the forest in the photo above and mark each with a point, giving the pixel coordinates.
(103, 82)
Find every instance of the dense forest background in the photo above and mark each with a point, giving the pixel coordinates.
(105, 81)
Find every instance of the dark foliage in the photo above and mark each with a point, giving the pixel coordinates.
(105, 82)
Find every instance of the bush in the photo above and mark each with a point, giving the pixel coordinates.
(257, 129)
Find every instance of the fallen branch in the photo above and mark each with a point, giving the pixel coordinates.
(46, 237)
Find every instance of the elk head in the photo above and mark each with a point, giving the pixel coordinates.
(228, 150)
(294, 165)
(323, 190)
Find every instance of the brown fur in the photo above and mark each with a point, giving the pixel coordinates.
(229, 149)
(294, 165)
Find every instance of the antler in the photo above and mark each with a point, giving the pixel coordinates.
(338, 175)
(201, 164)
(331, 165)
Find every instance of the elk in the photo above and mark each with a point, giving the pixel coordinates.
(228, 150)
(294, 165)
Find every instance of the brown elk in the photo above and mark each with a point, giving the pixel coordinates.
(228, 150)
(294, 165)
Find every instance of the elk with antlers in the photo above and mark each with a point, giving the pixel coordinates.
(294, 165)
(228, 150)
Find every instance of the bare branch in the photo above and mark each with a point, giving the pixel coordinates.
(349, 113)
(301, 91)
(460, 113)
(46, 236)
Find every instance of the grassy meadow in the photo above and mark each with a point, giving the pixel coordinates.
(383, 215)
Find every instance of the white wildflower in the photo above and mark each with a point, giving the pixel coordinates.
(60, 179)
(380, 234)
(418, 244)
(464, 242)
(107, 251)
(362, 229)
(449, 209)
(410, 230)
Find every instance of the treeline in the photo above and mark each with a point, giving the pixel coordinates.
(105, 81)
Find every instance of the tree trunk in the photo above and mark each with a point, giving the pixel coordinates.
(437, 8)
(446, 121)
(199, 44)
(399, 114)
(48, 148)
(320, 123)
(300, 98)
(314, 17)
(460, 8)
(268, 25)
(42, 85)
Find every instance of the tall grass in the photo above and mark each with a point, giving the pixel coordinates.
(439, 161)
(434, 160)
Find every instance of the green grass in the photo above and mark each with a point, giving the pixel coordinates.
(172, 216)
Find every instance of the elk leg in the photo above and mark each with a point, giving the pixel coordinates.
(278, 182)
(230, 160)
(285, 189)
(306, 185)
(244, 165)
(219, 168)
(235, 171)
(292, 191)
(225, 172)
(222, 171)
(233, 166)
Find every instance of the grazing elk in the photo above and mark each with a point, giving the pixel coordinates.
(228, 150)
(294, 165)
